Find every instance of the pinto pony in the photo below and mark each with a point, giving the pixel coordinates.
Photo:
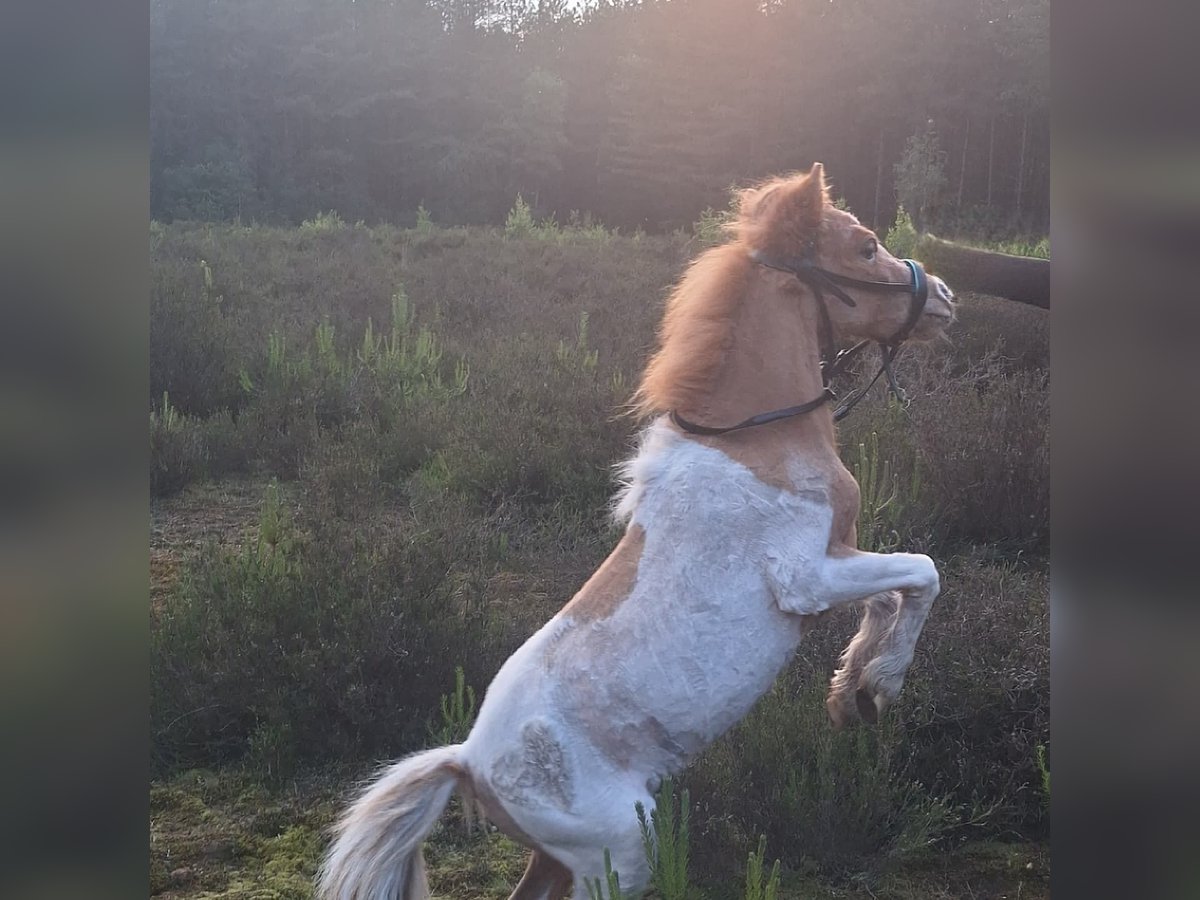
(734, 543)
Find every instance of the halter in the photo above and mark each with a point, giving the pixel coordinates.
(832, 362)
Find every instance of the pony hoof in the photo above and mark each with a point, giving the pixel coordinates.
(866, 707)
(839, 715)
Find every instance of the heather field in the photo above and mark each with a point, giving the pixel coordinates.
(383, 456)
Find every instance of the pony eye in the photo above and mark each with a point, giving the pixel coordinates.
(870, 248)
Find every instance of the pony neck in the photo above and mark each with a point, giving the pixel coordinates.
(773, 361)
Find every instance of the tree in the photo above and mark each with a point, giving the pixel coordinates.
(642, 112)
(921, 176)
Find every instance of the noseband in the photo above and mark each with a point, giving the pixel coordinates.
(833, 363)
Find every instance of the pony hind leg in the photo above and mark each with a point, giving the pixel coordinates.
(545, 878)
(846, 701)
(627, 855)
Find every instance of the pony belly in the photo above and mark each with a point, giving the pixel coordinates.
(649, 694)
(613, 705)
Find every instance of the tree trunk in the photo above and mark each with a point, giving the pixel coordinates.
(962, 171)
(878, 181)
(991, 158)
(1021, 163)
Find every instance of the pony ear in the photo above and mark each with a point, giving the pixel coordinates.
(784, 215)
(815, 188)
(808, 201)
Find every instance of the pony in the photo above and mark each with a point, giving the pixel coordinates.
(736, 539)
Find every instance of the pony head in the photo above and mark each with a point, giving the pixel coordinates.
(791, 218)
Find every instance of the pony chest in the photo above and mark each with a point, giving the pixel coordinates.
(845, 501)
(829, 497)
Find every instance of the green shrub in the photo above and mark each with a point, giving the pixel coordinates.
(424, 221)
(968, 457)
(178, 453)
(217, 292)
(458, 713)
(921, 175)
(610, 887)
(756, 888)
(323, 221)
(667, 841)
(296, 396)
(836, 801)
(519, 222)
(193, 342)
(710, 228)
(585, 227)
(185, 449)
(1044, 770)
(312, 644)
(886, 498)
(901, 239)
(578, 357)
(984, 451)
(976, 704)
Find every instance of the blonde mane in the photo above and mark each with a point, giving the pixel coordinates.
(780, 216)
(696, 331)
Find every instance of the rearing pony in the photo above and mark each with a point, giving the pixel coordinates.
(735, 540)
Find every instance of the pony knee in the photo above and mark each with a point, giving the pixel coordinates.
(926, 579)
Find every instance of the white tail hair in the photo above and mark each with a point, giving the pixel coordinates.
(376, 851)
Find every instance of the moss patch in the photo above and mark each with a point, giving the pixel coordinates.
(224, 835)
(480, 865)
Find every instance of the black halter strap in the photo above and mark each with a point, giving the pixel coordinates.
(833, 362)
(761, 419)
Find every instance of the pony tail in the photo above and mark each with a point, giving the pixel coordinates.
(376, 851)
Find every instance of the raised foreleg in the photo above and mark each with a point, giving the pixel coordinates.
(849, 577)
(845, 702)
(856, 574)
